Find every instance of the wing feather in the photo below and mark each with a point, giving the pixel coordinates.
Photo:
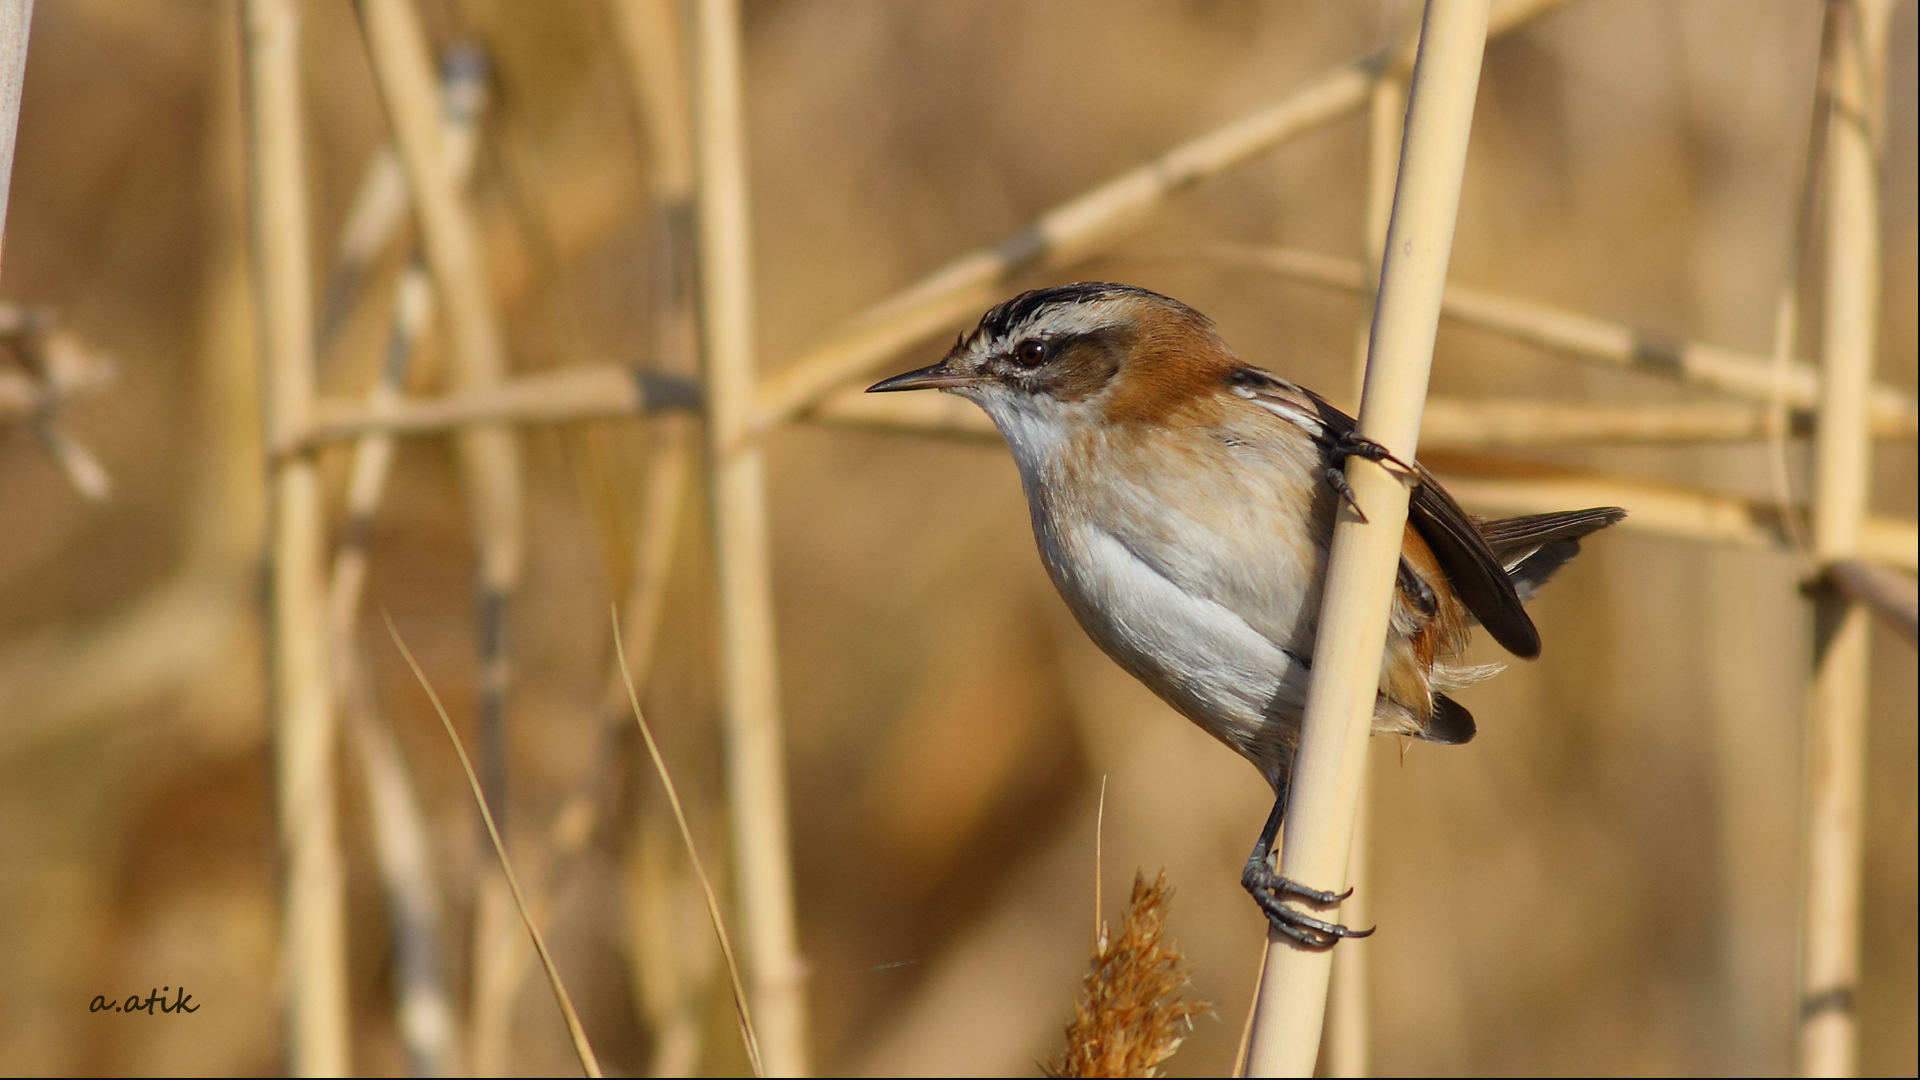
(1476, 573)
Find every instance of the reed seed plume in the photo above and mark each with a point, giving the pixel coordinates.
(740, 1011)
(1131, 1015)
(589, 1064)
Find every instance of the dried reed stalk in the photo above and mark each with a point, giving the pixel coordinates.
(403, 852)
(367, 472)
(661, 517)
(489, 456)
(314, 927)
(1353, 614)
(756, 781)
(615, 391)
(1069, 233)
(380, 204)
(1495, 486)
(652, 45)
(1493, 423)
(1842, 458)
(397, 48)
(16, 19)
(560, 396)
(423, 1007)
(589, 1064)
(649, 37)
(422, 1004)
(672, 975)
(1130, 1016)
(1891, 596)
(1893, 412)
(1349, 1030)
(1347, 1049)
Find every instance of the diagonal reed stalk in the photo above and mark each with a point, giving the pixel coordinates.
(1500, 486)
(588, 1063)
(1583, 337)
(1070, 232)
(402, 847)
(1352, 633)
(604, 391)
(397, 51)
(741, 1009)
(423, 1010)
(1891, 596)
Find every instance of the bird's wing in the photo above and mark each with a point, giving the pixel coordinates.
(1476, 574)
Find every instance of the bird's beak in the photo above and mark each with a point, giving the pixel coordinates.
(935, 377)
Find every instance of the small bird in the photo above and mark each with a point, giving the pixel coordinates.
(1184, 503)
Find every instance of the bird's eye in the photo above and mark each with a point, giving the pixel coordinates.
(1031, 352)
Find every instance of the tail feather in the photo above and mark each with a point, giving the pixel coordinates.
(1451, 724)
(1534, 547)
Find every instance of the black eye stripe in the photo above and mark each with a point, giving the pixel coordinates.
(1054, 346)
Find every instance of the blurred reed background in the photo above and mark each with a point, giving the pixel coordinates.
(1605, 881)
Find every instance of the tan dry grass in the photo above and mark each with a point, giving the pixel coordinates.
(1131, 1015)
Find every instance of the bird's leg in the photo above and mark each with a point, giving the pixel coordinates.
(1348, 444)
(1270, 891)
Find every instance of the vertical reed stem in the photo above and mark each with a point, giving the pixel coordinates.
(1836, 744)
(314, 931)
(16, 19)
(672, 974)
(1347, 1048)
(1360, 572)
(756, 784)
(651, 44)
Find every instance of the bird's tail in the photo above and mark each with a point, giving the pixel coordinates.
(1533, 547)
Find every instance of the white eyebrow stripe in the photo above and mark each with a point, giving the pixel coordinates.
(1081, 318)
(1310, 424)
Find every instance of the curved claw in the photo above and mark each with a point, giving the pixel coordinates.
(1268, 888)
(1289, 887)
(1348, 444)
(1353, 444)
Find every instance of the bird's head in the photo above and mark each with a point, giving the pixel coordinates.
(1087, 353)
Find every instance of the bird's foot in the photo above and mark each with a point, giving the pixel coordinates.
(1351, 444)
(1270, 891)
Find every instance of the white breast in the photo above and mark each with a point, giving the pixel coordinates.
(1203, 583)
(1198, 655)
